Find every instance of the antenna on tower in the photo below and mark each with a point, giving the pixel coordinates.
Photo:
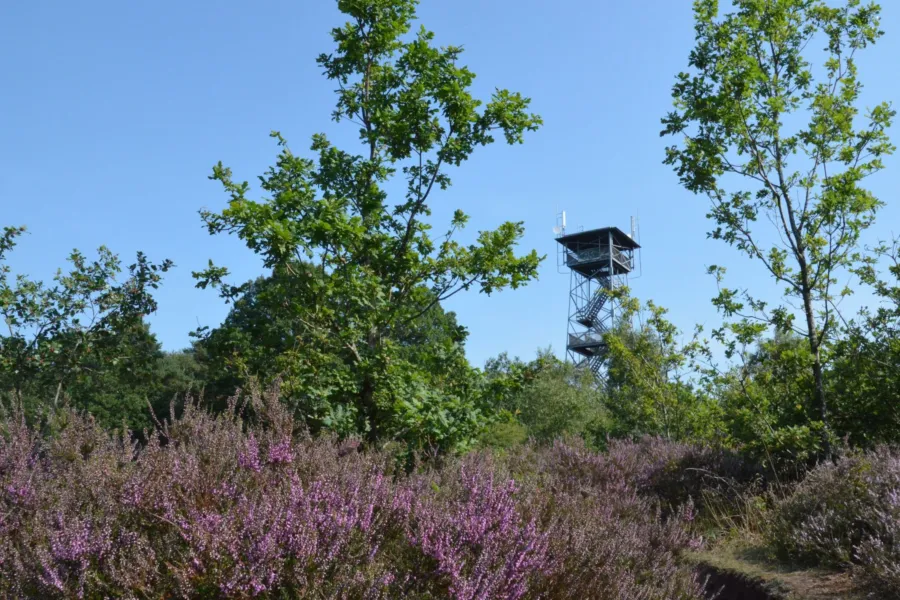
(559, 230)
(636, 236)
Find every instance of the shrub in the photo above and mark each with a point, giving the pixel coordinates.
(671, 474)
(608, 538)
(824, 519)
(846, 515)
(216, 507)
(878, 556)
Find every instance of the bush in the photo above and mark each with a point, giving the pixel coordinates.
(671, 474)
(214, 507)
(846, 515)
(544, 400)
(608, 538)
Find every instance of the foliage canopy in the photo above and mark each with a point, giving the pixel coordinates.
(360, 265)
(773, 139)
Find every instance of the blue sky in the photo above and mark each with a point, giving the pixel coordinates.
(112, 114)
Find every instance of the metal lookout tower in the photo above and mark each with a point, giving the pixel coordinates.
(599, 261)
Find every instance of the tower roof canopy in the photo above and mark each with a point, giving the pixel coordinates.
(598, 236)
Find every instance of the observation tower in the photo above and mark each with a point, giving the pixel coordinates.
(599, 261)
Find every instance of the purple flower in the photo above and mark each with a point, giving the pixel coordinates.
(249, 457)
(281, 452)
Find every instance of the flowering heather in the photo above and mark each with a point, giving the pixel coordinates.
(216, 507)
(846, 515)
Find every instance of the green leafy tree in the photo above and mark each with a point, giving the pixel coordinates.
(116, 381)
(544, 399)
(261, 342)
(176, 375)
(649, 389)
(362, 266)
(563, 400)
(82, 339)
(778, 145)
(762, 402)
(505, 378)
(257, 343)
(866, 363)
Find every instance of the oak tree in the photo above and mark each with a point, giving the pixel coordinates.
(769, 128)
(360, 262)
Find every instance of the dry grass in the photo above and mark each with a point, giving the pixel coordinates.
(748, 561)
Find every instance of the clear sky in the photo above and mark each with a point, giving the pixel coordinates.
(112, 114)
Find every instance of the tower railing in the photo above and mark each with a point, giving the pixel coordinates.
(591, 255)
(586, 338)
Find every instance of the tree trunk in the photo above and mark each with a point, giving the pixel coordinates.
(815, 346)
(369, 410)
(823, 406)
(367, 393)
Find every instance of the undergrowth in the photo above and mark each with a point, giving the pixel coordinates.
(214, 506)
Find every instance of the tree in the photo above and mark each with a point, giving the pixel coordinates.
(648, 389)
(260, 342)
(563, 400)
(115, 382)
(772, 138)
(176, 375)
(256, 343)
(361, 267)
(761, 400)
(547, 398)
(866, 362)
(83, 339)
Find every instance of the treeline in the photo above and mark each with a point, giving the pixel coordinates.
(83, 342)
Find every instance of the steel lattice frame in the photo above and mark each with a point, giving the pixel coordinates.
(599, 261)
(582, 290)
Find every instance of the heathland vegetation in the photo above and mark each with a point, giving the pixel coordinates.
(330, 439)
